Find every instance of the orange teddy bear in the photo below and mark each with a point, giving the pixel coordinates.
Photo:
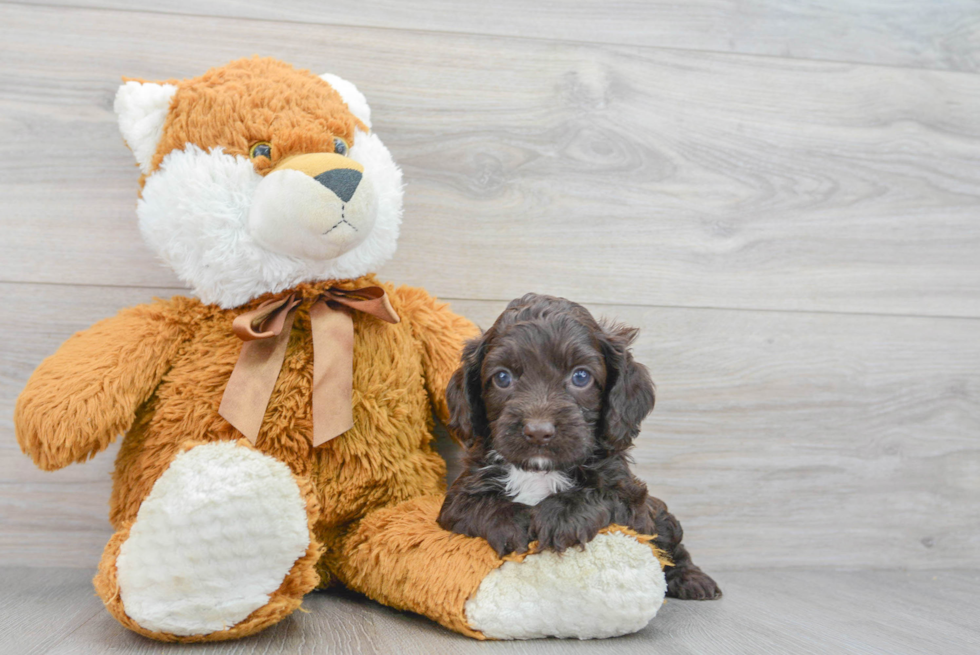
(279, 426)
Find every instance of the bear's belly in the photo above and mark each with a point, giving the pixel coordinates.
(386, 456)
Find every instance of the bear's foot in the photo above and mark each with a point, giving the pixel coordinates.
(612, 587)
(220, 548)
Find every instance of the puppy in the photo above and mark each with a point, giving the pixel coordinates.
(547, 403)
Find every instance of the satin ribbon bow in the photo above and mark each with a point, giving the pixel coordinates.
(265, 333)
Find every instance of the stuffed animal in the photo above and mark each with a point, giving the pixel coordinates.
(278, 426)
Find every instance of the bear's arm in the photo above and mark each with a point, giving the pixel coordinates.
(84, 395)
(442, 335)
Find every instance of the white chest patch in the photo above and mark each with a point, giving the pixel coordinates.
(531, 487)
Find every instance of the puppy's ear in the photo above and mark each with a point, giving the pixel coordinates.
(464, 395)
(630, 393)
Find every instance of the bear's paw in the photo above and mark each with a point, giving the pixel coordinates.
(614, 586)
(217, 535)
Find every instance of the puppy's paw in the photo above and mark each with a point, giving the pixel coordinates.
(507, 537)
(562, 530)
(691, 583)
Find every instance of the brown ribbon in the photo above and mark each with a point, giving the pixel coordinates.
(265, 333)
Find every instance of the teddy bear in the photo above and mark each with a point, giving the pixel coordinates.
(279, 423)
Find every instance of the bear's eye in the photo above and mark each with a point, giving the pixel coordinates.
(261, 149)
(340, 146)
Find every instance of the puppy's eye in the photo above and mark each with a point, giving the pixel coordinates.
(581, 377)
(340, 146)
(260, 149)
(502, 379)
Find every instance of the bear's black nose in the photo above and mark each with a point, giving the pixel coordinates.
(342, 181)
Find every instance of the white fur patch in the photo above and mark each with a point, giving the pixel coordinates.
(293, 214)
(218, 533)
(531, 487)
(142, 110)
(613, 587)
(194, 214)
(354, 99)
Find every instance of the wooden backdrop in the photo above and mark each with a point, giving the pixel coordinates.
(784, 196)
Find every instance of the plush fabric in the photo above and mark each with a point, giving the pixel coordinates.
(228, 517)
(614, 586)
(172, 360)
(283, 601)
(243, 102)
(143, 111)
(195, 209)
(401, 557)
(216, 538)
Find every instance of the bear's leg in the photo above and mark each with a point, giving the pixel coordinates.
(222, 547)
(400, 556)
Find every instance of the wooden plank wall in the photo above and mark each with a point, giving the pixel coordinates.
(784, 196)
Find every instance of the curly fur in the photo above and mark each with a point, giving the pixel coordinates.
(540, 342)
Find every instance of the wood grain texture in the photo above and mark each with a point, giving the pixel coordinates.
(605, 173)
(784, 439)
(40, 608)
(688, 193)
(943, 34)
(59, 518)
(770, 612)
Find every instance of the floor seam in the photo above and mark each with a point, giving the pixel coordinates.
(537, 39)
(597, 303)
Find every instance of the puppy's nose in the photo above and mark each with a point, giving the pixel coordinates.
(539, 432)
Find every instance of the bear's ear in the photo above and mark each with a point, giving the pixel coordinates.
(142, 110)
(355, 100)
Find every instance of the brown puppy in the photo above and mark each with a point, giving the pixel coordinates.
(547, 403)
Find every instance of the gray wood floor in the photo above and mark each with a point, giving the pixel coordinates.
(764, 612)
(783, 195)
